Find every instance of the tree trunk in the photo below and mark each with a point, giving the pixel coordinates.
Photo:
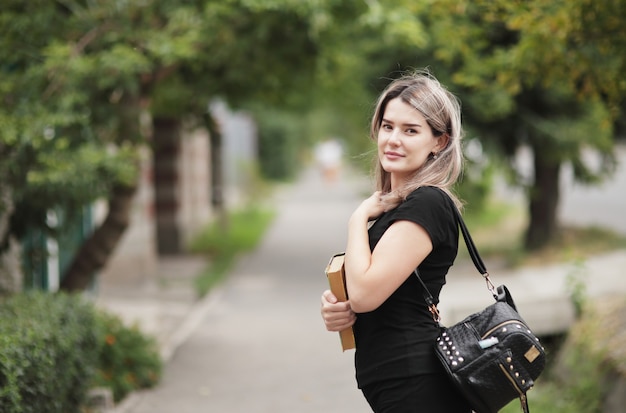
(10, 268)
(96, 250)
(6, 209)
(543, 201)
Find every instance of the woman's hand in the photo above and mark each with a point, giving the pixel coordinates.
(369, 209)
(337, 315)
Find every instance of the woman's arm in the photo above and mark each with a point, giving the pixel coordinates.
(371, 277)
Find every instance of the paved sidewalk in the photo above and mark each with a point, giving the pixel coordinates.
(257, 343)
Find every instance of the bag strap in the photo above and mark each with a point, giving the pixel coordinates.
(501, 294)
(471, 248)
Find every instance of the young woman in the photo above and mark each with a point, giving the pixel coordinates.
(407, 223)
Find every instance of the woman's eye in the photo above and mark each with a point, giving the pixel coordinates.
(387, 127)
(411, 131)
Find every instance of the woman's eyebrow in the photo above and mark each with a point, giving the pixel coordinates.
(412, 125)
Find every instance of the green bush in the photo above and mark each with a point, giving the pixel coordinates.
(128, 359)
(48, 353)
(55, 347)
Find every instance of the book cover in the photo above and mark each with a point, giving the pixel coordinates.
(337, 279)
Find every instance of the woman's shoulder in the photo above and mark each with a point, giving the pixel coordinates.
(428, 207)
(427, 194)
(429, 198)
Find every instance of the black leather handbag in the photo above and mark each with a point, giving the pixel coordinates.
(492, 356)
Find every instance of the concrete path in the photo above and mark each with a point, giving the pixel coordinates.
(257, 343)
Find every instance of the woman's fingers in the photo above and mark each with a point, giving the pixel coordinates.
(328, 297)
(337, 316)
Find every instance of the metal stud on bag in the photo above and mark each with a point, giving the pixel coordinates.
(451, 351)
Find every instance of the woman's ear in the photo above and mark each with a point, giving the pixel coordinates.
(442, 142)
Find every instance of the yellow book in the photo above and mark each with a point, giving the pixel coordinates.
(337, 279)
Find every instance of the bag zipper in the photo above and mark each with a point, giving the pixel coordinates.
(513, 382)
(488, 333)
(522, 396)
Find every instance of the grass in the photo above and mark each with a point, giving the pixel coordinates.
(574, 243)
(225, 239)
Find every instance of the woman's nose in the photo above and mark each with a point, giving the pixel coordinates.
(394, 137)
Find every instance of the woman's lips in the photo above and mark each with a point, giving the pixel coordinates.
(393, 155)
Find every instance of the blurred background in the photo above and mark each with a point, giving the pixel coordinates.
(133, 131)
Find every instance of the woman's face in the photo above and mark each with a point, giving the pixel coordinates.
(405, 141)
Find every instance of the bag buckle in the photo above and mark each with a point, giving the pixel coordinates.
(435, 313)
(490, 286)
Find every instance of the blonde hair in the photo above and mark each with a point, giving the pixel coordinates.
(442, 111)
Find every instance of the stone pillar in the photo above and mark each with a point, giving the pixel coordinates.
(166, 155)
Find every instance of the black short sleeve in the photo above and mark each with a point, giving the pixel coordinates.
(428, 208)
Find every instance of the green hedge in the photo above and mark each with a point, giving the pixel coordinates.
(48, 353)
(55, 347)
(280, 144)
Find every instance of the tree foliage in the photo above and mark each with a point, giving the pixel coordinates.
(51, 155)
(539, 74)
(82, 77)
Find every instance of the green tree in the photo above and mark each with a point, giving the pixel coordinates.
(86, 73)
(546, 75)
